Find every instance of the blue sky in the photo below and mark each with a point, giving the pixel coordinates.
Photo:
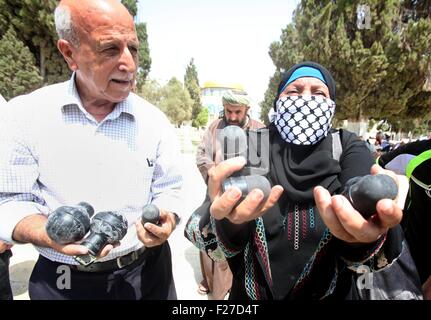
(228, 39)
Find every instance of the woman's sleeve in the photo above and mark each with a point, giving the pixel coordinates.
(220, 239)
(356, 160)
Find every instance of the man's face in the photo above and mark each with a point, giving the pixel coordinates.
(107, 57)
(235, 115)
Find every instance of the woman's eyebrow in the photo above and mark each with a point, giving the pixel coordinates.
(318, 86)
(295, 86)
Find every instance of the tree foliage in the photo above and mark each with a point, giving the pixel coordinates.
(201, 119)
(176, 102)
(268, 99)
(144, 53)
(191, 82)
(144, 49)
(33, 21)
(173, 99)
(131, 5)
(380, 71)
(151, 91)
(18, 73)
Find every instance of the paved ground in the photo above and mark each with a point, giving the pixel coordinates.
(185, 256)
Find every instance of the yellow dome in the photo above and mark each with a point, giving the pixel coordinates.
(213, 84)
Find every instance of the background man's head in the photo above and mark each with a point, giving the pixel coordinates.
(236, 106)
(99, 42)
(379, 136)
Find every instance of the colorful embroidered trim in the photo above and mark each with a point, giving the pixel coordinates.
(262, 247)
(228, 252)
(354, 265)
(311, 209)
(251, 286)
(327, 236)
(251, 263)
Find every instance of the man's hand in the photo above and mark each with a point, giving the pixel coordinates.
(31, 229)
(152, 235)
(347, 224)
(223, 204)
(4, 246)
(75, 249)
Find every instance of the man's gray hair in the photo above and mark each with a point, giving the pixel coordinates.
(64, 25)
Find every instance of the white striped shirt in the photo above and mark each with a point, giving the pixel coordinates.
(54, 153)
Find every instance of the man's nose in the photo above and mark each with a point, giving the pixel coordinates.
(127, 61)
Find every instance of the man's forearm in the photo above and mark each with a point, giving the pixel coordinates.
(31, 229)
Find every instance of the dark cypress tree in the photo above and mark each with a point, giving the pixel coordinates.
(18, 72)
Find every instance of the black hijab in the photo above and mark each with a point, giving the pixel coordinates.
(299, 168)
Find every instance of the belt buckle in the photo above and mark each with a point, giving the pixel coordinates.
(134, 257)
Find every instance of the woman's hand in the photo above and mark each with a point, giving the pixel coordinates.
(347, 224)
(223, 204)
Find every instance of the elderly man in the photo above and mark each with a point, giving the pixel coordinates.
(217, 277)
(90, 139)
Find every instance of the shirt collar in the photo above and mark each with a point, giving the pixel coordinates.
(73, 98)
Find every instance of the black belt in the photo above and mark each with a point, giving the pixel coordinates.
(111, 265)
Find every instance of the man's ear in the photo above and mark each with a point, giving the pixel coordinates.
(68, 51)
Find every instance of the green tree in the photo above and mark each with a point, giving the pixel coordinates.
(33, 21)
(202, 118)
(131, 5)
(18, 73)
(416, 9)
(176, 102)
(144, 53)
(268, 100)
(191, 82)
(380, 71)
(151, 91)
(144, 49)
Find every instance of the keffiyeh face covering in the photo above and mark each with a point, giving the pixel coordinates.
(304, 120)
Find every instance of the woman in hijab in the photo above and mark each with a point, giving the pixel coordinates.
(302, 241)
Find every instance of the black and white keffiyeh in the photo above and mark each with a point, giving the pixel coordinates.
(304, 120)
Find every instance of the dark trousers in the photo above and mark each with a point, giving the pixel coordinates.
(5, 289)
(150, 277)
